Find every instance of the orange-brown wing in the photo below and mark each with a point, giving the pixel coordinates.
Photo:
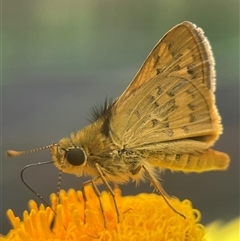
(183, 46)
(171, 97)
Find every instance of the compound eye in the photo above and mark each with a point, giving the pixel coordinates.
(75, 156)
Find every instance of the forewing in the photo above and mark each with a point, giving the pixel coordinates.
(184, 50)
(171, 97)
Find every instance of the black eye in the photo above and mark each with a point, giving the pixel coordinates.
(75, 156)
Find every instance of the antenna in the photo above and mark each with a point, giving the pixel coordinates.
(12, 153)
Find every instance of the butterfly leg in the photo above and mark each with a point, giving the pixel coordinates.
(97, 192)
(159, 189)
(109, 189)
(92, 182)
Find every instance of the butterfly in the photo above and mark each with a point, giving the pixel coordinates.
(165, 119)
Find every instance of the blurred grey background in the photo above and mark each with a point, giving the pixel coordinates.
(61, 57)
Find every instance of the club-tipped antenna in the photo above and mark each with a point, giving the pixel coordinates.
(13, 153)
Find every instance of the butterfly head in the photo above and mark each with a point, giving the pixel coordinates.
(68, 157)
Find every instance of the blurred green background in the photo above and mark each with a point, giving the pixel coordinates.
(61, 57)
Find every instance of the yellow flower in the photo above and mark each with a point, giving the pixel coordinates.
(142, 217)
(221, 231)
